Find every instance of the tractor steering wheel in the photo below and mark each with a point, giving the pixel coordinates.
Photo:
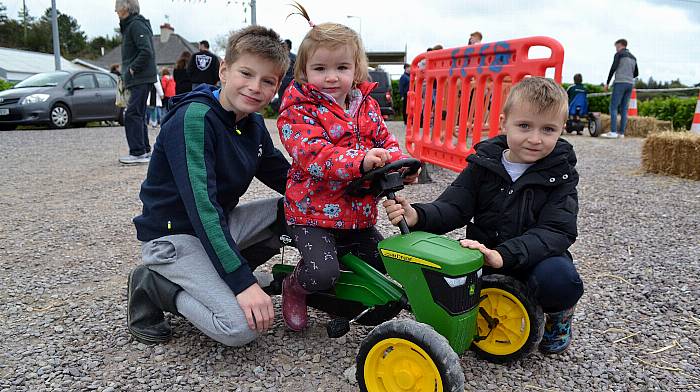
(376, 178)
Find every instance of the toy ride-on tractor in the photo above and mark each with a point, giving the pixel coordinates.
(441, 283)
(580, 117)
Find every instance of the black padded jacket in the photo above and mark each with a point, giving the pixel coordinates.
(526, 221)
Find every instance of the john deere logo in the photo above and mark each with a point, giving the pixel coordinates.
(409, 258)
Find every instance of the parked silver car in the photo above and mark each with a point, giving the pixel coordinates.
(60, 99)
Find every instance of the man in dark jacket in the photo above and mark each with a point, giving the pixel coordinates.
(518, 199)
(203, 66)
(404, 83)
(288, 76)
(138, 73)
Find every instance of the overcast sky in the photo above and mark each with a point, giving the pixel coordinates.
(662, 34)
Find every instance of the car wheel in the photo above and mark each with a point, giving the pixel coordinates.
(60, 116)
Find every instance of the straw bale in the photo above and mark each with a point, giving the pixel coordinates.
(672, 153)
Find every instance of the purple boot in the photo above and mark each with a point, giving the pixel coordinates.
(294, 303)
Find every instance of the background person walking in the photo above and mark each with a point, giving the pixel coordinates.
(624, 67)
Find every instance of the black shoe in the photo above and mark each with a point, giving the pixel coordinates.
(148, 295)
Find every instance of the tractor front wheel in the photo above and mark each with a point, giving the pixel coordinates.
(405, 355)
(510, 322)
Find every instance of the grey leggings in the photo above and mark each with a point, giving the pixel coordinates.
(319, 268)
(205, 300)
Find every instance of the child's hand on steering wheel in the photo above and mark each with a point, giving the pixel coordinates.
(374, 158)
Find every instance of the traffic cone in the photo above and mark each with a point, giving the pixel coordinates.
(632, 108)
(696, 118)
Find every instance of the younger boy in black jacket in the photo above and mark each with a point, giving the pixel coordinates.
(518, 199)
(199, 245)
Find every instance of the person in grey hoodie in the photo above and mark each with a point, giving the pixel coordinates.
(138, 73)
(624, 67)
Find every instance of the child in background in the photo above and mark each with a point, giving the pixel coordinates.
(155, 103)
(334, 132)
(168, 84)
(519, 203)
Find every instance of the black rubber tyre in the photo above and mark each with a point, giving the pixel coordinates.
(524, 334)
(418, 345)
(60, 116)
(595, 127)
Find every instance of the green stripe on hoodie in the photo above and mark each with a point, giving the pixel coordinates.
(197, 170)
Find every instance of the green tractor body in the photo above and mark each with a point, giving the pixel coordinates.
(440, 279)
(358, 282)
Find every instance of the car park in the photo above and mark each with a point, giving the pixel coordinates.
(60, 99)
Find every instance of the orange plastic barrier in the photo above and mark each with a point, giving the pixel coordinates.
(468, 86)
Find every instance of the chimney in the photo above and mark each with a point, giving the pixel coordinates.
(165, 30)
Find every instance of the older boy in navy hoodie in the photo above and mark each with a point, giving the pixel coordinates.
(199, 246)
(519, 203)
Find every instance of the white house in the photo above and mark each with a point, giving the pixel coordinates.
(17, 65)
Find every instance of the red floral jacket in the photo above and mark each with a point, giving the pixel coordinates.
(327, 147)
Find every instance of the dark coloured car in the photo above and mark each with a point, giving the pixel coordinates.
(383, 91)
(60, 99)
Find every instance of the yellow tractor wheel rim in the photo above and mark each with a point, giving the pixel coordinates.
(513, 327)
(396, 364)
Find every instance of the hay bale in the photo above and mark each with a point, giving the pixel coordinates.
(672, 153)
(639, 126)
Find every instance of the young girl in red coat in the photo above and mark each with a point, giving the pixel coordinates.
(335, 133)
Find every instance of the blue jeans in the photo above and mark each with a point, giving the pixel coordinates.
(619, 101)
(554, 282)
(134, 125)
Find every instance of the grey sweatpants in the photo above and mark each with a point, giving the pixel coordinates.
(205, 300)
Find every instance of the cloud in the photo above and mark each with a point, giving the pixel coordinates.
(661, 34)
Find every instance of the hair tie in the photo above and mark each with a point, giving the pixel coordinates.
(311, 24)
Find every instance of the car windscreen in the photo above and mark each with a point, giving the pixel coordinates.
(47, 79)
(380, 77)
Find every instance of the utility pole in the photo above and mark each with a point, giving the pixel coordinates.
(253, 19)
(54, 30)
(24, 20)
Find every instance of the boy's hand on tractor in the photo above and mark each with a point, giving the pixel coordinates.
(491, 257)
(257, 307)
(395, 209)
(375, 157)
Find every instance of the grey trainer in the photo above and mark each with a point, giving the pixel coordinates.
(133, 159)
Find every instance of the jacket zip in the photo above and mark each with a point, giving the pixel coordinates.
(527, 196)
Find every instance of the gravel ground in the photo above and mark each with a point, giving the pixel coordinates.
(67, 244)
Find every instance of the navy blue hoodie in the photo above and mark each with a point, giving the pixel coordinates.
(203, 161)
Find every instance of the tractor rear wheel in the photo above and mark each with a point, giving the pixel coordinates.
(510, 322)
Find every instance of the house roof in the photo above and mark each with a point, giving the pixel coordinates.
(26, 62)
(166, 52)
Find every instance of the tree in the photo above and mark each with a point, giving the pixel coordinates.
(73, 41)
